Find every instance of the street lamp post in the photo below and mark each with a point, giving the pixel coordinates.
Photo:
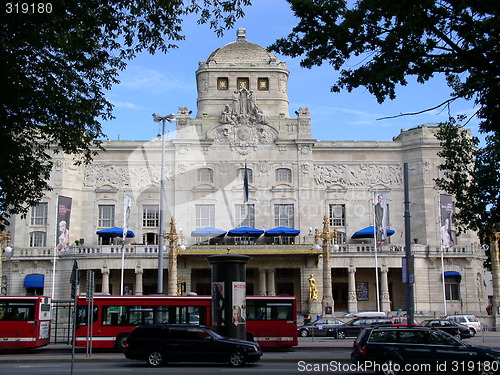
(4, 237)
(326, 237)
(162, 119)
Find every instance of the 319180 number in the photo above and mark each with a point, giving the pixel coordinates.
(28, 8)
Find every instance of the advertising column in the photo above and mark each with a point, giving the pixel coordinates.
(229, 294)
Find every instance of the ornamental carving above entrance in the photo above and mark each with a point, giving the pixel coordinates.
(243, 125)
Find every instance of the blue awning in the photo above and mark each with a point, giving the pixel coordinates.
(282, 231)
(453, 274)
(114, 232)
(34, 280)
(245, 232)
(208, 232)
(368, 232)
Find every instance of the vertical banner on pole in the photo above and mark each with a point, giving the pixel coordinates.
(446, 211)
(381, 217)
(127, 204)
(63, 222)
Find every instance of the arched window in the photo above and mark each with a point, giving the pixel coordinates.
(283, 175)
(205, 175)
(38, 239)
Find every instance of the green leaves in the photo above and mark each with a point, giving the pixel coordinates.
(55, 69)
(378, 44)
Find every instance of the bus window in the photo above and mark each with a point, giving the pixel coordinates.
(82, 318)
(115, 315)
(17, 310)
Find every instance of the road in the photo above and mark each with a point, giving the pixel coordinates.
(312, 356)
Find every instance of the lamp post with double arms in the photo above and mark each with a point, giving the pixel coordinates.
(163, 120)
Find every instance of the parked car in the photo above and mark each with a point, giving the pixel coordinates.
(391, 350)
(318, 327)
(467, 320)
(159, 344)
(449, 326)
(355, 326)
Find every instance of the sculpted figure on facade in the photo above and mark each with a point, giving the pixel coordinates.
(243, 124)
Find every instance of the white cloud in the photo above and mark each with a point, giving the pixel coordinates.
(128, 105)
(140, 78)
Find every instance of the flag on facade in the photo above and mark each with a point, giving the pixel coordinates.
(127, 205)
(245, 184)
(63, 220)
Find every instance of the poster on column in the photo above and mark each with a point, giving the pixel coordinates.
(63, 218)
(239, 302)
(218, 296)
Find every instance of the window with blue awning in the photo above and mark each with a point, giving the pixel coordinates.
(34, 281)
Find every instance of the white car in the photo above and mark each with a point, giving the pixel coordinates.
(467, 320)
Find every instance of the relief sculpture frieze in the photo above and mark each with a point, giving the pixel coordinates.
(348, 175)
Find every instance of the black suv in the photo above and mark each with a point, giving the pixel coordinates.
(159, 344)
(353, 327)
(391, 350)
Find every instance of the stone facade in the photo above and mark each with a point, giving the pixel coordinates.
(243, 120)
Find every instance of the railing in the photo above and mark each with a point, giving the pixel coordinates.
(269, 249)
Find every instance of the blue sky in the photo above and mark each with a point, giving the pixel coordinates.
(163, 82)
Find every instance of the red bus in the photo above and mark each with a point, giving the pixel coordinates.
(271, 321)
(24, 322)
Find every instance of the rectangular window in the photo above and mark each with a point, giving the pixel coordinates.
(452, 288)
(205, 215)
(205, 175)
(222, 83)
(283, 175)
(38, 239)
(283, 215)
(39, 214)
(245, 215)
(106, 216)
(337, 215)
(150, 216)
(243, 83)
(263, 84)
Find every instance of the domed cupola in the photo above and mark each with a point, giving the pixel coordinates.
(242, 68)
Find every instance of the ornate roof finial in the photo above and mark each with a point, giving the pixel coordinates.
(242, 33)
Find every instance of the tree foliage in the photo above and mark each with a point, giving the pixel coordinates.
(56, 64)
(378, 44)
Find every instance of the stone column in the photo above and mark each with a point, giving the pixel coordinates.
(105, 279)
(352, 299)
(138, 280)
(271, 289)
(385, 304)
(262, 282)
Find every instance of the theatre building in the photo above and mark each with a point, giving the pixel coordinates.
(311, 208)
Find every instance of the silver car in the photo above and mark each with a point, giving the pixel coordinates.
(318, 327)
